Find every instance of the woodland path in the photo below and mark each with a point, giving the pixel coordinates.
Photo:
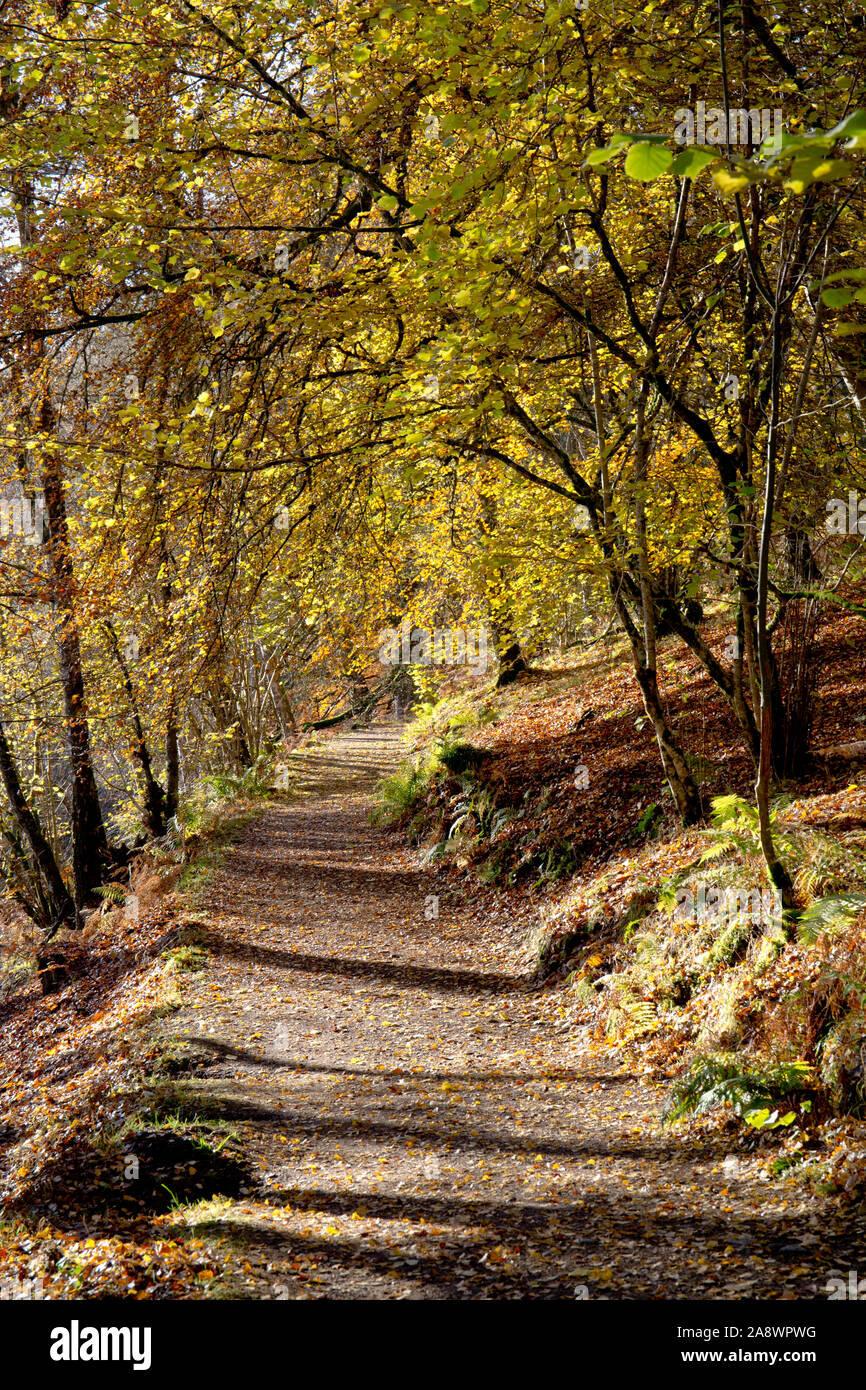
(419, 1129)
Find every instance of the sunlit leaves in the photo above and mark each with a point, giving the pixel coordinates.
(646, 161)
(691, 162)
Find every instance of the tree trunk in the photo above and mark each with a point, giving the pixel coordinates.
(779, 876)
(283, 710)
(683, 787)
(61, 905)
(512, 663)
(153, 819)
(90, 853)
(682, 784)
(172, 765)
(730, 684)
(228, 721)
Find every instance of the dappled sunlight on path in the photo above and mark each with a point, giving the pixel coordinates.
(419, 1129)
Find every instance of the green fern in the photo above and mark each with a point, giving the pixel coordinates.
(399, 793)
(500, 820)
(731, 942)
(667, 897)
(724, 1080)
(629, 1014)
(736, 827)
(112, 893)
(826, 913)
(828, 865)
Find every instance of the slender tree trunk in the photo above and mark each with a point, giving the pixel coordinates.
(682, 784)
(731, 684)
(680, 780)
(90, 853)
(683, 787)
(172, 765)
(283, 709)
(512, 661)
(60, 902)
(743, 710)
(172, 750)
(154, 797)
(779, 876)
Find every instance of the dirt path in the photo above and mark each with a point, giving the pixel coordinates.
(419, 1128)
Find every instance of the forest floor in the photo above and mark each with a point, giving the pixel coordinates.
(419, 1120)
(325, 1065)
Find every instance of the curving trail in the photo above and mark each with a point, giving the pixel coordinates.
(420, 1128)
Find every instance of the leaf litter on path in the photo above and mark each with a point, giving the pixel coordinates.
(419, 1126)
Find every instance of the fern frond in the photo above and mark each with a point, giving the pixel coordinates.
(112, 892)
(825, 913)
(717, 850)
(724, 1080)
(732, 810)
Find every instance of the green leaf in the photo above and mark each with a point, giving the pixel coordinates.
(837, 299)
(729, 183)
(814, 167)
(853, 125)
(856, 273)
(691, 162)
(618, 143)
(830, 170)
(600, 156)
(646, 161)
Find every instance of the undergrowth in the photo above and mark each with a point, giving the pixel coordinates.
(753, 1003)
(676, 950)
